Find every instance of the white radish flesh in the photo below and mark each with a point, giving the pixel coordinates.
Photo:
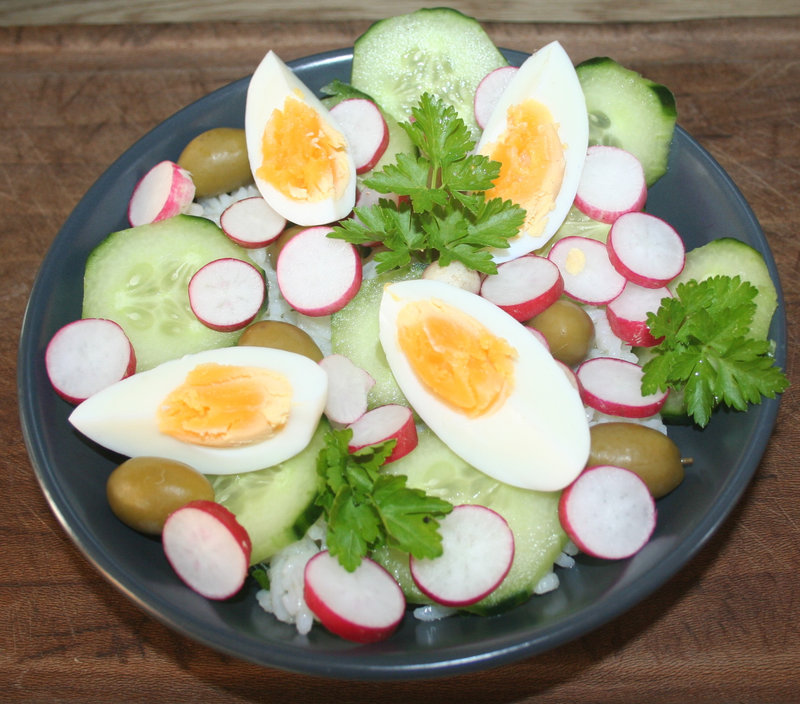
(645, 249)
(627, 313)
(87, 355)
(477, 552)
(227, 294)
(389, 422)
(252, 223)
(364, 606)
(488, 92)
(365, 129)
(612, 184)
(614, 386)
(589, 277)
(348, 386)
(608, 512)
(318, 275)
(165, 190)
(524, 287)
(208, 548)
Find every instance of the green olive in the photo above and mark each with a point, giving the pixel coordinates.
(646, 451)
(217, 160)
(568, 329)
(281, 335)
(143, 491)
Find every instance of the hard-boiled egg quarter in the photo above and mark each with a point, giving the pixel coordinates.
(223, 411)
(300, 159)
(482, 383)
(539, 132)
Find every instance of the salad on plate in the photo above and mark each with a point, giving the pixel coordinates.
(415, 341)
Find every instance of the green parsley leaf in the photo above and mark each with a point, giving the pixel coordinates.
(446, 214)
(366, 508)
(706, 351)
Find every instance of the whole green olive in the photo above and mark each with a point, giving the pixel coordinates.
(143, 491)
(280, 335)
(646, 451)
(568, 329)
(217, 160)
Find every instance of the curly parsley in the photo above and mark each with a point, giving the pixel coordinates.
(706, 350)
(443, 211)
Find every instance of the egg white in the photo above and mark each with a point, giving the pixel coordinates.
(270, 84)
(548, 77)
(538, 439)
(122, 417)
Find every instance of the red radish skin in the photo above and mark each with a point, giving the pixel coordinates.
(208, 548)
(613, 386)
(612, 183)
(318, 275)
(348, 387)
(488, 92)
(365, 129)
(165, 190)
(227, 294)
(524, 287)
(364, 606)
(87, 355)
(477, 553)
(539, 336)
(571, 377)
(645, 249)
(589, 277)
(252, 223)
(608, 512)
(627, 313)
(389, 422)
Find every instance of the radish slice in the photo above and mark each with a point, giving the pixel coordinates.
(86, 356)
(627, 313)
(227, 294)
(612, 184)
(348, 386)
(571, 376)
(589, 276)
(645, 249)
(364, 606)
(365, 129)
(488, 92)
(614, 386)
(318, 275)
(477, 552)
(540, 336)
(208, 548)
(524, 287)
(389, 422)
(166, 190)
(608, 512)
(251, 222)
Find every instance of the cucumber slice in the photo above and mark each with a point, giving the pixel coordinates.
(275, 505)
(139, 278)
(440, 51)
(532, 516)
(629, 111)
(355, 330)
(728, 256)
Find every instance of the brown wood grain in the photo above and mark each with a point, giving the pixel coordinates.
(725, 629)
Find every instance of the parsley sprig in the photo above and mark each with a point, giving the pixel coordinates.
(366, 508)
(444, 212)
(706, 350)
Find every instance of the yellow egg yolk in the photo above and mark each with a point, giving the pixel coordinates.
(532, 162)
(303, 157)
(455, 356)
(223, 405)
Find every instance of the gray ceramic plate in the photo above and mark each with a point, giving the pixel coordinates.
(696, 196)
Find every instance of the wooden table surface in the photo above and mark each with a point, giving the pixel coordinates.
(725, 629)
